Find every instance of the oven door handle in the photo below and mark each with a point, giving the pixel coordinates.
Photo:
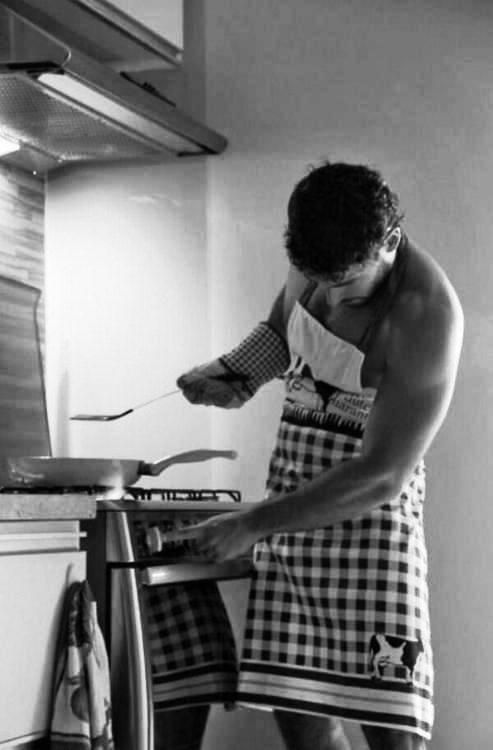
(162, 575)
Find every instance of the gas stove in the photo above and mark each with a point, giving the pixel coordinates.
(127, 569)
(130, 529)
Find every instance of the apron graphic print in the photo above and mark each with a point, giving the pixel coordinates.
(387, 650)
(311, 393)
(328, 404)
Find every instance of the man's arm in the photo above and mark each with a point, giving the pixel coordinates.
(232, 379)
(423, 350)
(417, 387)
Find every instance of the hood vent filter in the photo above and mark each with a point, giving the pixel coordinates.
(63, 107)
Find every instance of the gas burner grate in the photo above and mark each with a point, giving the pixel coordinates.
(153, 493)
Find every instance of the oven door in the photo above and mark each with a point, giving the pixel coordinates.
(150, 692)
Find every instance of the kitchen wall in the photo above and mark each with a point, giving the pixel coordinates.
(405, 86)
(22, 229)
(126, 288)
(151, 269)
(23, 428)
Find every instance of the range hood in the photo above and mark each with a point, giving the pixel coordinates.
(72, 88)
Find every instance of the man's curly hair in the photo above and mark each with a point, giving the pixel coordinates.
(338, 215)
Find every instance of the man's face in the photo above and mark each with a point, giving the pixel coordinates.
(358, 283)
(353, 288)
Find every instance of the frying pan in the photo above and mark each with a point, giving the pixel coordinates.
(44, 471)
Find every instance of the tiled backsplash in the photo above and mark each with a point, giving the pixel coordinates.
(22, 200)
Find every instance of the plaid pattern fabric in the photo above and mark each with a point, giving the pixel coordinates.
(323, 601)
(263, 356)
(191, 645)
(302, 452)
(337, 620)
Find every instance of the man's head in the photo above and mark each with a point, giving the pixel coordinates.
(339, 216)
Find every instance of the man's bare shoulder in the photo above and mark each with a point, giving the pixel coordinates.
(426, 288)
(426, 320)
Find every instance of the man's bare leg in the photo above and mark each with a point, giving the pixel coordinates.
(182, 727)
(307, 732)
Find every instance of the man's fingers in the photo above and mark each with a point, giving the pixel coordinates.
(209, 392)
(177, 535)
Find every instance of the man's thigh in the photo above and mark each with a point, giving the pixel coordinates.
(308, 732)
(381, 738)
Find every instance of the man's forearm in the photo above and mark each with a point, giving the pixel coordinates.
(347, 491)
(262, 356)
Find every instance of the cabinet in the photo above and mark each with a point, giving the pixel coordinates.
(165, 19)
(37, 561)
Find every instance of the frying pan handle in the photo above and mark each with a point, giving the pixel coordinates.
(155, 468)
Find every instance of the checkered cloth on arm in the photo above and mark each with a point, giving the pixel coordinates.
(263, 356)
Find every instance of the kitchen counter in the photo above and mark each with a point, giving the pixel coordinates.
(17, 506)
(42, 507)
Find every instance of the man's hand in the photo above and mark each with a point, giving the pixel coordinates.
(222, 537)
(213, 384)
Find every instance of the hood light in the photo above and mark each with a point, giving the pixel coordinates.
(7, 146)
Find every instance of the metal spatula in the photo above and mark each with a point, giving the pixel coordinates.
(228, 376)
(111, 417)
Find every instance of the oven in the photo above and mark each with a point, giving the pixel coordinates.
(143, 585)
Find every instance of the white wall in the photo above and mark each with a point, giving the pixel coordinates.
(126, 291)
(407, 87)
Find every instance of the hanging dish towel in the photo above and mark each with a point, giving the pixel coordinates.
(81, 709)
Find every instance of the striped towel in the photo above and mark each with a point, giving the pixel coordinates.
(81, 708)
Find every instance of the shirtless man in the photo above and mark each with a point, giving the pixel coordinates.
(367, 333)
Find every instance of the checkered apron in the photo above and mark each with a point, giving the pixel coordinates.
(191, 646)
(338, 620)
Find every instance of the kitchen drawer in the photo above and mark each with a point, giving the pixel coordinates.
(39, 536)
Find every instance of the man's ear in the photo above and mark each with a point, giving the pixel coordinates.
(393, 240)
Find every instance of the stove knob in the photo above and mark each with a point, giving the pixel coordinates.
(154, 540)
